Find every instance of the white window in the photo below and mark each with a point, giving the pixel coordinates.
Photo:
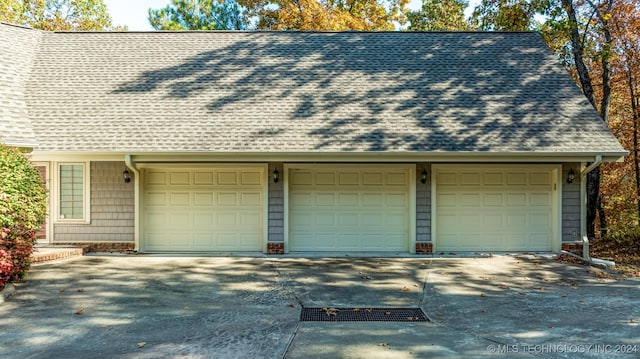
(73, 192)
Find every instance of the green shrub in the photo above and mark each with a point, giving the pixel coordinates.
(22, 211)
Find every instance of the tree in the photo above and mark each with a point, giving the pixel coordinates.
(66, 15)
(22, 211)
(439, 15)
(197, 15)
(338, 15)
(579, 31)
(508, 15)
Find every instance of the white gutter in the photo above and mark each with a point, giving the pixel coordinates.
(583, 217)
(136, 206)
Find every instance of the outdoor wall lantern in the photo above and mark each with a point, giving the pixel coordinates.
(126, 175)
(276, 176)
(423, 176)
(571, 177)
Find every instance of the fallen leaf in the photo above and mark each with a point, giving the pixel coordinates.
(80, 311)
(292, 305)
(405, 289)
(62, 290)
(141, 344)
(387, 313)
(483, 295)
(80, 289)
(383, 344)
(356, 309)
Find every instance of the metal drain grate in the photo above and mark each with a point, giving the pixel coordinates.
(363, 315)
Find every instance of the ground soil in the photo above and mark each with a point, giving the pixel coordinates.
(625, 254)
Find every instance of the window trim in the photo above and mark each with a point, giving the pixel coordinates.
(86, 193)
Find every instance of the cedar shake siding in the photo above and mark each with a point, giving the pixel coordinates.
(423, 204)
(276, 203)
(570, 204)
(112, 209)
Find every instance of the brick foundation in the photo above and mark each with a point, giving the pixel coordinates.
(575, 248)
(101, 247)
(275, 248)
(424, 248)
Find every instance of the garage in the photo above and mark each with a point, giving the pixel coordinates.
(496, 208)
(350, 208)
(203, 208)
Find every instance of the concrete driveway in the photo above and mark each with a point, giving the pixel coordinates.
(214, 307)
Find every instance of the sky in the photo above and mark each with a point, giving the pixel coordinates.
(133, 13)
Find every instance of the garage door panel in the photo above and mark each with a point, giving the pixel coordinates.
(516, 179)
(372, 199)
(179, 178)
(372, 178)
(227, 178)
(540, 178)
(493, 178)
(325, 199)
(469, 178)
(325, 178)
(203, 209)
(540, 199)
(493, 200)
(447, 199)
(516, 199)
(204, 221)
(203, 199)
(508, 210)
(349, 199)
(397, 179)
(397, 200)
(348, 210)
(251, 178)
(156, 199)
(203, 178)
(179, 199)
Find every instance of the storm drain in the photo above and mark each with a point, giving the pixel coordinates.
(363, 315)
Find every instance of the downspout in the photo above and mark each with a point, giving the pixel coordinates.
(136, 206)
(583, 218)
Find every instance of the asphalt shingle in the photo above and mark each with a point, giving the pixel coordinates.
(284, 92)
(17, 49)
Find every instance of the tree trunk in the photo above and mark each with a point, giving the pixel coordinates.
(577, 50)
(635, 117)
(593, 189)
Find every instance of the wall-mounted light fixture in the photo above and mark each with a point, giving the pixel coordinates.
(423, 176)
(276, 176)
(126, 175)
(571, 176)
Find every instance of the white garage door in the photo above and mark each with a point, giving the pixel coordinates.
(349, 209)
(203, 209)
(508, 208)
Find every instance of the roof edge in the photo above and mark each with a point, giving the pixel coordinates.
(194, 157)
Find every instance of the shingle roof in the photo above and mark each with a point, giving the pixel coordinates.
(283, 92)
(17, 49)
